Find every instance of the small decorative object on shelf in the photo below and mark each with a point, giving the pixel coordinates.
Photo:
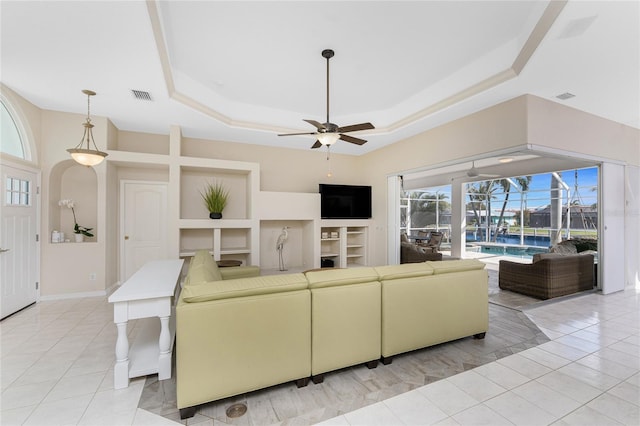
(80, 231)
(282, 238)
(215, 198)
(57, 237)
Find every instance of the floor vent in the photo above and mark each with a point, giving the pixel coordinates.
(236, 410)
(141, 95)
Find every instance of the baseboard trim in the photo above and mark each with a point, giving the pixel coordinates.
(81, 295)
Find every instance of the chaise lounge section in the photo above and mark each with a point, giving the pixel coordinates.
(424, 304)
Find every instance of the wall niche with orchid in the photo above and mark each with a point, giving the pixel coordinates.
(73, 202)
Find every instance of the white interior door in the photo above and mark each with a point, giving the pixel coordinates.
(18, 246)
(143, 224)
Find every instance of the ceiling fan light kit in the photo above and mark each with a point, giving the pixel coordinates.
(328, 133)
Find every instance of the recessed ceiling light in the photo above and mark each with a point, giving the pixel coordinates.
(566, 95)
(505, 159)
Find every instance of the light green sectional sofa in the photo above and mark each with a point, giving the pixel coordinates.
(237, 331)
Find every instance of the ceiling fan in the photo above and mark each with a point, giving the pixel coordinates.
(473, 172)
(328, 133)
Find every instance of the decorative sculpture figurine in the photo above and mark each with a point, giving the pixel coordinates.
(282, 238)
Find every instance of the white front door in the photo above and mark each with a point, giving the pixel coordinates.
(18, 246)
(144, 225)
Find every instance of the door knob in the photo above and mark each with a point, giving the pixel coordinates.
(126, 237)
(4, 250)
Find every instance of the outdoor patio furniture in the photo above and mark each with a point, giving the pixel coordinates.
(550, 275)
(433, 243)
(412, 253)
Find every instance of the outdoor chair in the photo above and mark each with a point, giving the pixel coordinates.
(433, 243)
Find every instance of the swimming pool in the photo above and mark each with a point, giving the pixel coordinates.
(512, 239)
(523, 252)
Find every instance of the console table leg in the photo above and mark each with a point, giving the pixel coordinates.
(164, 343)
(121, 369)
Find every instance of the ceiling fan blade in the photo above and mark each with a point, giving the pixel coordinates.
(351, 139)
(316, 124)
(316, 145)
(355, 127)
(297, 134)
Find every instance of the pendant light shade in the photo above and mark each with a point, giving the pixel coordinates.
(82, 153)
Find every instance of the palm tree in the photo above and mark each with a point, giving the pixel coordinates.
(423, 205)
(480, 195)
(523, 182)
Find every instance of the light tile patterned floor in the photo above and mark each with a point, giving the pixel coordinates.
(588, 375)
(57, 368)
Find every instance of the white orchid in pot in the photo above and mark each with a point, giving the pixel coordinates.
(79, 231)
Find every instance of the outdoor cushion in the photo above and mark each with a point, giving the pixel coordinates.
(540, 256)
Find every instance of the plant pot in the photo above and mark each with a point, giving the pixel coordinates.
(215, 215)
(79, 238)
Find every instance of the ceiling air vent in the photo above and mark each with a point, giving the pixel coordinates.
(564, 96)
(141, 95)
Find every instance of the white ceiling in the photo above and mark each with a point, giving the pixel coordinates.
(245, 71)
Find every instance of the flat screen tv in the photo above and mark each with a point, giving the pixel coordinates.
(345, 201)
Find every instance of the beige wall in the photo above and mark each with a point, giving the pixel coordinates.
(66, 268)
(558, 126)
(495, 128)
(281, 169)
(526, 119)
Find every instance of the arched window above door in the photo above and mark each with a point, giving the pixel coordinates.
(10, 139)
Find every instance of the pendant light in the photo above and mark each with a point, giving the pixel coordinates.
(87, 156)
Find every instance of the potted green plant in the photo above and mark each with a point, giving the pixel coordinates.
(215, 197)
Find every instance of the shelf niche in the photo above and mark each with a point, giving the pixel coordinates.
(298, 251)
(70, 180)
(222, 243)
(193, 181)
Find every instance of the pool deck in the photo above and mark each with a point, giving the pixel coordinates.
(491, 260)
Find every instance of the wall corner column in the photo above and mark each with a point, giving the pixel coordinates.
(458, 219)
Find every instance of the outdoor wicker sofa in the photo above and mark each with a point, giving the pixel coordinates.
(550, 275)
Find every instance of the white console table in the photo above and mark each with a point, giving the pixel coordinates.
(149, 293)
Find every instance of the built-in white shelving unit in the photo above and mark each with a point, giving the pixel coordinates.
(252, 220)
(344, 242)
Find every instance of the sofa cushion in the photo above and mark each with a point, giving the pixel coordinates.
(199, 274)
(405, 270)
(330, 277)
(243, 287)
(234, 272)
(203, 267)
(455, 266)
